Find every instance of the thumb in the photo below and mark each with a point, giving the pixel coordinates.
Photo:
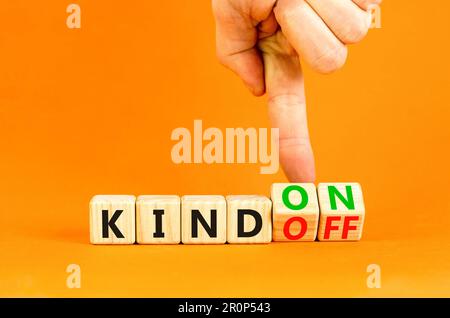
(287, 107)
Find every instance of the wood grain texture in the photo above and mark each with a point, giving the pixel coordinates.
(262, 205)
(206, 205)
(170, 206)
(341, 212)
(282, 213)
(125, 222)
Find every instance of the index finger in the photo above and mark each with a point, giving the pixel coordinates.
(287, 107)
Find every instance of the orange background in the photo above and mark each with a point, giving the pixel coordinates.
(91, 111)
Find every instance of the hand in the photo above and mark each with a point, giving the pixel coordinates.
(261, 41)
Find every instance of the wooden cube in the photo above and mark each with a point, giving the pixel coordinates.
(249, 219)
(341, 212)
(112, 219)
(158, 219)
(295, 212)
(203, 219)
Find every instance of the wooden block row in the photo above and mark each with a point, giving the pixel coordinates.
(296, 212)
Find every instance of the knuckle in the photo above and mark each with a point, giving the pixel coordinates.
(287, 102)
(331, 60)
(287, 143)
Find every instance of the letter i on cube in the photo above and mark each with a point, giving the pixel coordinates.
(158, 219)
(341, 212)
(295, 211)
